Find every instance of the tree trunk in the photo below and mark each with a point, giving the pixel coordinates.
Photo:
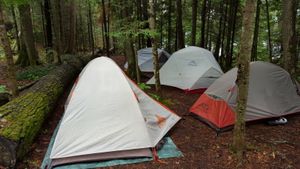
(57, 29)
(47, 13)
(169, 25)
(256, 31)
(236, 6)
(28, 37)
(243, 78)
(91, 30)
(22, 118)
(154, 44)
(228, 53)
(207, 25)
(288, 35)
(12, 83)
(269, 33)
(203, 23)
(71, 48)
(218, 43)
(180, 32)
(16, 27)
(105, 28)
(194, 21)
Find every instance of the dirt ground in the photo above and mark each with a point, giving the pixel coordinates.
(270, 147)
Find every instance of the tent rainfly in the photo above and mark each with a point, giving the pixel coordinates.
(108, 117)
(145, 59)
(189, 69)
(272, 93)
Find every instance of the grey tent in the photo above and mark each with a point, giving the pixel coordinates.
(272, 93)
(145, 59)
(190, 69)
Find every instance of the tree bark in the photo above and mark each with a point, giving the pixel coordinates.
(180, 32)
(169, 25)
(4, 41)
(269, 33)
(154, 44)
(105, 28)
(12, 8)
(256, 31)
(21, 119)
(218, 42)
(47, 13)
(71, 48)
(194, 21)
(288, 35)
(243, 78)
(91, 30)
(203, 23)
(28, 37)
(56, 13)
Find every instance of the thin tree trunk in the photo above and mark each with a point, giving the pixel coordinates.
(169, 25)
(43, 23)
(256, 31)
(194, 21)
(289, 39)
(222, 58)
(105, 28)
(207, 25)
(16, 27)
(91, 30)
(203, 23)
(57, 29)
(180, 36)
(154, 44)
(218, 43)
(47, 13)
(27, 28)
(236, 6)
(72, 29)
(269, 33)
(239, 142)
(12, 82)
(231, 15)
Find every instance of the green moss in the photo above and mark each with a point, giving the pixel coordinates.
(30, 111)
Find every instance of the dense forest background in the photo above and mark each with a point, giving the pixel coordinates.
(49, 28)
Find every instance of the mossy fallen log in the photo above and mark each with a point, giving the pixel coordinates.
(21, 119)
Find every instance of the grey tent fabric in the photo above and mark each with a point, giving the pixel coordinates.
(190, 68)
(108, 116)
(145, 59)
(272, 92)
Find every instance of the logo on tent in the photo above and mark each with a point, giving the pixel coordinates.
(193, 63)
(204, 107)
(160, 120)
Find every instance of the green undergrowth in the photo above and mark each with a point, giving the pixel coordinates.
(167, 102)
(34, 73)
(3, 89)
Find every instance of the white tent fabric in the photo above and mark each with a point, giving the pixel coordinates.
(189, 69)
(271, 93)
(107, 112)
(145, 59)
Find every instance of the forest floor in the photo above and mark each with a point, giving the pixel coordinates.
(276, 147)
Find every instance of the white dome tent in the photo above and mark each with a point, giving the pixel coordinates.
(190, 68)
(145, 59)
(108, 117)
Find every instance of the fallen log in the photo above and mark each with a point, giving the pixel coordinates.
(21, 119)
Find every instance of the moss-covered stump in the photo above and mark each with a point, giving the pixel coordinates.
(21, 119)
